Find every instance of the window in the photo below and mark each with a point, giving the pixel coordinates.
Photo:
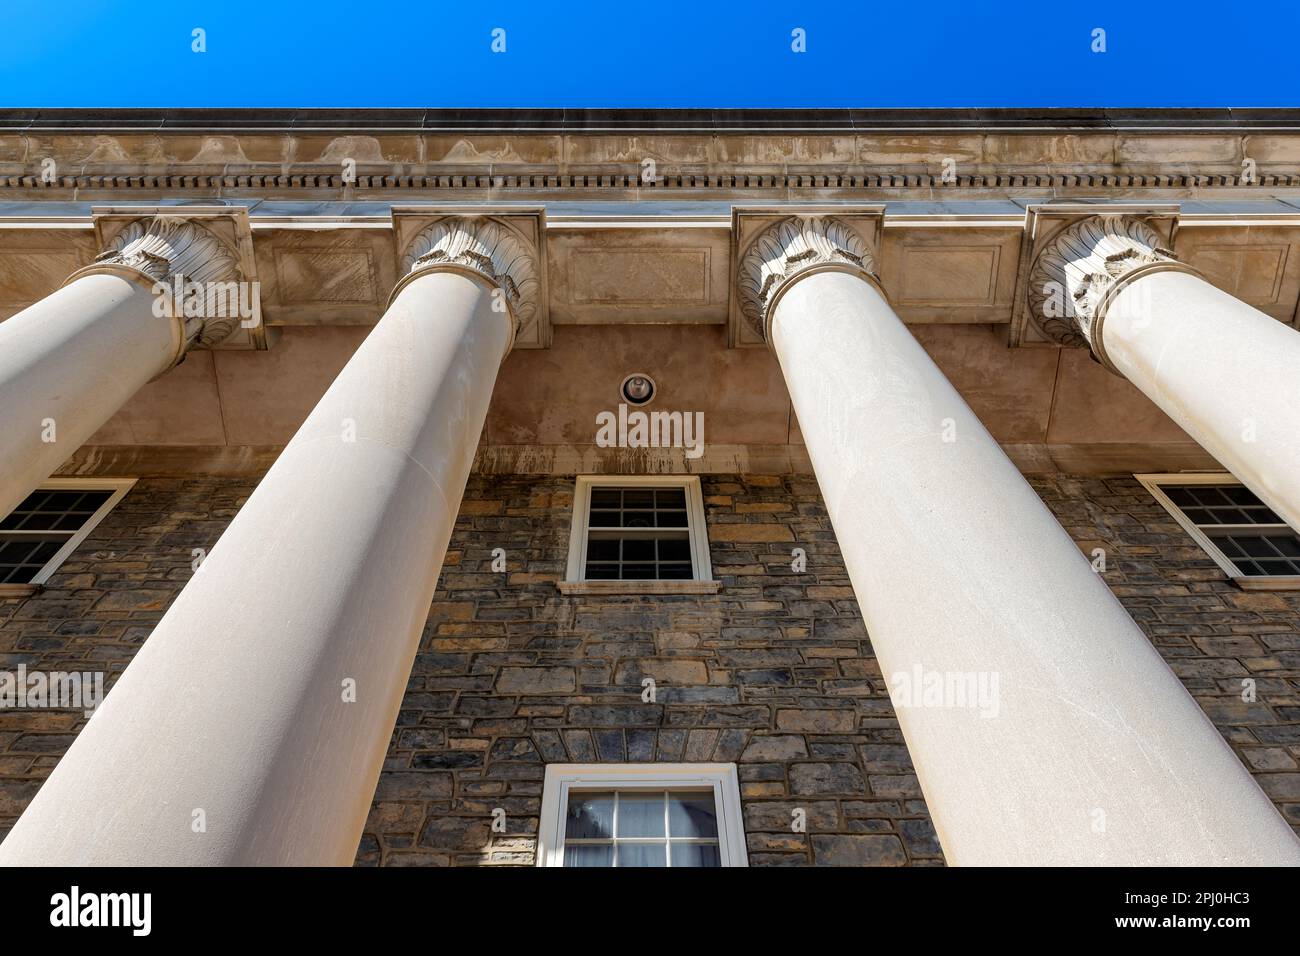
(38, 535)
(644, 534)
(621, 815)
(1243, 535)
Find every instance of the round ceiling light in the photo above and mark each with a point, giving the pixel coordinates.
(638, 388)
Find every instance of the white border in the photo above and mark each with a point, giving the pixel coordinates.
(1248, 582)
(701, 566)
(722, 778)
(119, 487)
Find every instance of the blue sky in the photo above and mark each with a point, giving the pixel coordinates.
(648, 54)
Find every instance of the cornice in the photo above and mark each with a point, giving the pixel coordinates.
(702, 121)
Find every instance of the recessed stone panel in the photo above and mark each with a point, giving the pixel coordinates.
(632, 276)
(1253, 273)
(26, 277)
(325, 275)
(950, 275)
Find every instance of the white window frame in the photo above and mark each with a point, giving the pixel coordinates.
(563, 778)
(118, 486)
(701, 580)
(1247, 582)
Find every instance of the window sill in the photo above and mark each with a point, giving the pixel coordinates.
(639, 587)
(1277, 582)
(18, 590)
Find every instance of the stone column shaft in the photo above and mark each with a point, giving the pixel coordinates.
(71, 360)
(1228, 374)
(1044, 727)
(67, 364)
(1224, 371)
(237, 707)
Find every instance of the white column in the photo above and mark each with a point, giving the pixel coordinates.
(1224, 371)
(70, 361)
(264, 701)
(1044, 727)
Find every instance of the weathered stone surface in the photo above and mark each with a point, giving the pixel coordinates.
(778, 747)
(816, 778)
(854, 850)
(536, 680)
(817, 721)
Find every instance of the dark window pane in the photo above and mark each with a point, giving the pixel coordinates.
(602, 572)
(1240, 495)
(1255, 547)
(584, 855)
(606, 498)
(672, 519)
(590, 816)
(38, 520)
(670, 498)
(696, 854)
(1276, 566)
(602, 549)
(1179, 495)
(606, 519)
(675, 572)
(692, 815)
(1199, 516)
(674, 549)
(638, 498)
(638, 572)
(638, 519)
(638, 549)
(62, 500)
(1228, 546)
(70, 522)
(1288, 545)
(20, 560)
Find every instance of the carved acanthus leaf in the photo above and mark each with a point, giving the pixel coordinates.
(190, 259)
(788, 248)
(488, 247)
(1081, 265)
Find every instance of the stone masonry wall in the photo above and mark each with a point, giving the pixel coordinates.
(775, 672)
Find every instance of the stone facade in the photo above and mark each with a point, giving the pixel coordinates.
(775, 672)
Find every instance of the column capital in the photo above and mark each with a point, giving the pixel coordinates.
(203, 274)
(506, 254)
(792, 247)
(1079, 271)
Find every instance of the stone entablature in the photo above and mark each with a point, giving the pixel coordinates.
(942, 263)
(529, 155)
